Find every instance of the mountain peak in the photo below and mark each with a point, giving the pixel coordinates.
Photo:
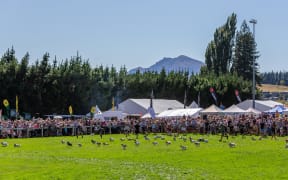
(183, 56)
(178, 63)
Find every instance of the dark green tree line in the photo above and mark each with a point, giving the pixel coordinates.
(48, 86)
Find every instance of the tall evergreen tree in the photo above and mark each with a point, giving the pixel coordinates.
(218, 54)
(245, 54)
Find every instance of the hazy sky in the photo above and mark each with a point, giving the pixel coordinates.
(137, 33)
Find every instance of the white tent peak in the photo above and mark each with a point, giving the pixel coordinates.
(234, 109)
(193, 105)
(211, 109)
(253, 111)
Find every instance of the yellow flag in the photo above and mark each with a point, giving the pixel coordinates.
(6, 103)
(112, 103)
(70, 110)
(93, 109)
(17, 110)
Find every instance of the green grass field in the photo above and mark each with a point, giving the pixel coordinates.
(48, 158)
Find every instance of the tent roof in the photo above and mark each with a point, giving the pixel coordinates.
(211, 109)
(111, 114)
(253, 111)
(260, 105)
(180, 112)
(147, 115)
(140, 106)
(234, 109)
(193, 105)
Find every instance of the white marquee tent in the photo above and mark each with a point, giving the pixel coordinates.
(234, 110)
(107, 115)
(191, 112)
(253, 111)
(213, 109)
(140, 106)
(260, 105)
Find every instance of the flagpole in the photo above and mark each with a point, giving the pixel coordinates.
(185, 96)
(17, 109)
(151, 109)
(113, 103)
(199, 99)
(151, 99)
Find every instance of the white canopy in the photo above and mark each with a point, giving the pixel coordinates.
(107, 115)
(253, 111)
(260, 105)
(147, 115)
(234, 110)
(211, 110)
(192, 112)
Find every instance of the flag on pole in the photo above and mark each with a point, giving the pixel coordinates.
(70, 110)
(213, 94)
(151, 112)
(93, 109)
(113, 104)
(6, 103)
(17, 110)
(7, 107)
(237, 95)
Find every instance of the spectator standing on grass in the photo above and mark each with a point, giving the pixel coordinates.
(137, 129)
(223, 131)
(273, 130)
(101, 131)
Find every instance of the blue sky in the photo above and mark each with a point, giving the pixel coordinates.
(137, 33)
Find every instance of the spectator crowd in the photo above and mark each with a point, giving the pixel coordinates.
(209, 124)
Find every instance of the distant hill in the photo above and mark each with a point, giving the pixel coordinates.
(180, 63)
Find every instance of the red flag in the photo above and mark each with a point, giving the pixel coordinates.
(237, 95)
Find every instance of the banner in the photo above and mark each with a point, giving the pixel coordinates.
(213, 95)
(151, 112)
(7, 108)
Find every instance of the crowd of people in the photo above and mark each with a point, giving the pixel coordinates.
(264, 125)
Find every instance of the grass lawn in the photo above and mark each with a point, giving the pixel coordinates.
(48, 158)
